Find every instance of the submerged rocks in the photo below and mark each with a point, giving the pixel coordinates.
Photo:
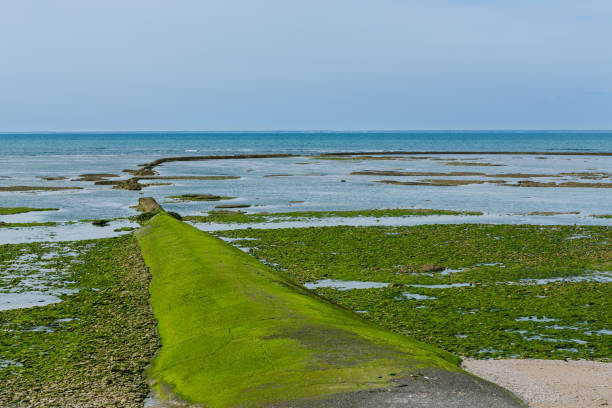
(227, 212)
(233, 206)
(460, 163)
(570, 184)
(414, 173)
(52, 178)
(38, 188)
(437, 182)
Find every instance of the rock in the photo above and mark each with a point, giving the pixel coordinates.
(129, 184)
(146, 171)
(52, 178)
(432, 267)
(148, 204)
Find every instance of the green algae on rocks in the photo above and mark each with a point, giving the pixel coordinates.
(504, 290)
(244, 218)
(20, 210)
(91, 349)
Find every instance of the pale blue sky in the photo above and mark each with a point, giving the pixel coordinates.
(316, 64)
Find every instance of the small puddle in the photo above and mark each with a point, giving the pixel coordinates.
(472, 311)
(30, 279)
(443, 286)
(449, 271)
(556, 327)
(535, 319)
(552, 339)
(415, 296)
(603, 332)
(230, 240)
(9, 363)
(578, 236)
(9, 301)
(345, 285)
(599, 277)
(489, 350)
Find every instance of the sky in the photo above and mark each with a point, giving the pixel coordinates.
(104, 65)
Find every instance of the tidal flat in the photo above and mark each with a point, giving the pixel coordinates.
(479, 291)
(90, 345)
(239, 217)
(499, 291)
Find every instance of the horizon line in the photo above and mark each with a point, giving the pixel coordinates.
(501, 130)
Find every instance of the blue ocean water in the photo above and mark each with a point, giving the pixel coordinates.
(156, 144)
(307, 182)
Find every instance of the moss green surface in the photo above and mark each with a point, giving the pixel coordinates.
(502, 312)
(244, 218)
(20, 210)
(236, 333)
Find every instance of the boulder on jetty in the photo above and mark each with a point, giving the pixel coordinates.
(148, 205)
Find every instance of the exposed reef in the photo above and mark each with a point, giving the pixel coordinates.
(551, 213)
(37, 188)
(460, 163)
(567, 184)
(188, 178)
(52, 178)
(200, 197)
(21, 210)
(414, 173)
(94, 176)
(438, 182)
(141, 172)
(233, 206)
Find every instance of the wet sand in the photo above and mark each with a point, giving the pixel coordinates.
(550, 383)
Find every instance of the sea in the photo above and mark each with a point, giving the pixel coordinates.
(306, 183)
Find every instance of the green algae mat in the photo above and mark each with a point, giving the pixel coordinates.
(90, 349)
(236, 333)
(498, 291)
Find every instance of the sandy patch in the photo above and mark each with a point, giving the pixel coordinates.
(550, 383)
